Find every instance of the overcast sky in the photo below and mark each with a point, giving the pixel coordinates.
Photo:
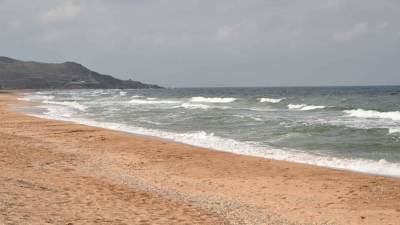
(179, 43)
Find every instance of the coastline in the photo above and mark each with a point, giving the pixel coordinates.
(217, 187)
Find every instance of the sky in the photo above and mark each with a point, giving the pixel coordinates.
(198, 43)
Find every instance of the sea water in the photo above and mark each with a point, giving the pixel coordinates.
(350, 128)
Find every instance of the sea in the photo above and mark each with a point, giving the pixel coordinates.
(347, 128)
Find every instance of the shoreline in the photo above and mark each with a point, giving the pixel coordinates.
(364, 166)
(246, 189)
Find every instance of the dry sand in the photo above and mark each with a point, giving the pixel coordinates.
(56, 172)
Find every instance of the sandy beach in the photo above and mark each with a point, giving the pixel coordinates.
(55, 172)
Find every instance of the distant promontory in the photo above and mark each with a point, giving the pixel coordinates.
(16, 74)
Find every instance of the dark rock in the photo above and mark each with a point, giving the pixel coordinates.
(15, 74)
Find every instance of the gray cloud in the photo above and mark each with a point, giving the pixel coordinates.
(212, 43)
(65, 12)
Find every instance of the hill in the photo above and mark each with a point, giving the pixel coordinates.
(16, 74)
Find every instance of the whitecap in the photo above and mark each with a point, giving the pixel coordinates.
(313, 107)
(37, 97)
(249, 116)
(305, 107)
(194, 106)
(394, 130)
(74, 104)
(361, 113)
(151, 122)
(57, 110)
(211, 141)
(271, 100)
(140, 102)
(294, 106)
(212, 100)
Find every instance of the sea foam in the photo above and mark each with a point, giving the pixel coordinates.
(271, 100)
(305, 107)
(74, 104)
(37, 97)
(394, 130)
(212, 100)
(211, 141)
(193, 106)
(151, 101)
(361, 113)
(67, 112)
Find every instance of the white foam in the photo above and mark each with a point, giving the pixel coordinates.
(359, 123)
(305, 107)
(361, 113)
(37, 97)
(74, 104)
(209, 140)
(212, 100)
(194, 106)
(394, 130)
(151, 122)
(313, 107)
(59, 111)
(271, 100)
(249, 116)
(140, 101)
(262, 109)
(294, 106)
(122, 93)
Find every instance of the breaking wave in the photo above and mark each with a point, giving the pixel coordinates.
(212, 100)
(74, 105)
(361, 113)
(37, 97)
(271, 100)
(305, 107)
(170, 116)
(193, 106)
(394, 130)
(209, 140)
(151, 101)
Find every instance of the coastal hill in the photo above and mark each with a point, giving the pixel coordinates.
(16, 74)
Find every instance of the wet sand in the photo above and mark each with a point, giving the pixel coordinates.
(55, 172)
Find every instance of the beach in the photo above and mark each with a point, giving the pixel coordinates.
(55, 172)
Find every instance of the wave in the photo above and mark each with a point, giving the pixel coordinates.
(261, 109)
(293, 106)
(98, 92)
(194, 106)
(140, 101)
(209, 140)
(37, 97)
(248, 117)
(271, 100)
(151, 122)
(313, 107)
(372, 114)
(200, 106)
(394, 130)
(122, 93)
(305, 107)
(74, 105)
(212, 100)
